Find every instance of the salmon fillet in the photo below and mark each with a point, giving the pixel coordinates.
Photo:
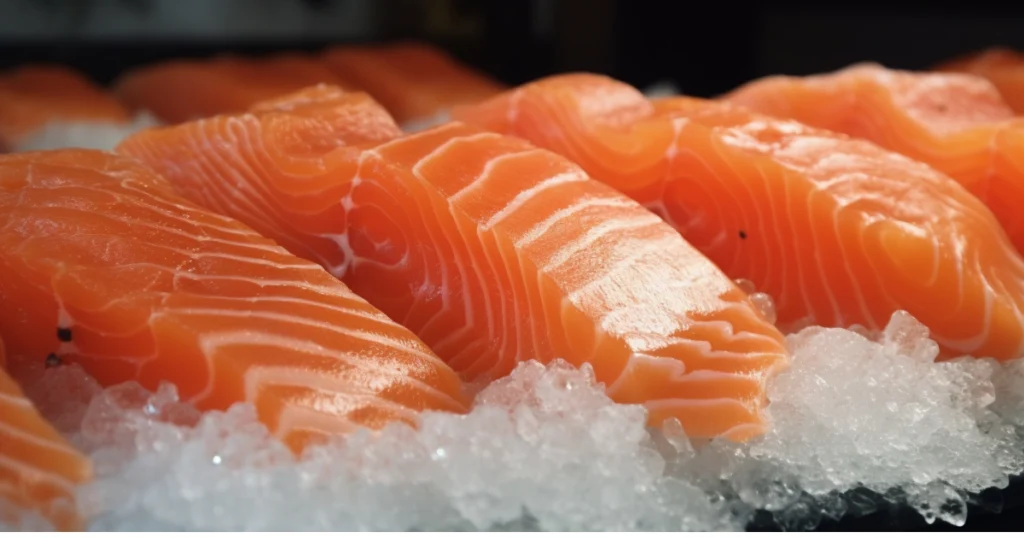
(958, 124)
(102, 265)
(411, 80)
(38, 468)
(284, 73)
(304, 70)
(1003, 67)
(838, 231)
(181, 90)
(33, 96)
(489, 249)
(452, 81)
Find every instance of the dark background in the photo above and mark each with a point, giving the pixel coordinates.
(704, 48)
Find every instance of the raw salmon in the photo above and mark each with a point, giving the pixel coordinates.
(491, 250)
(412, 81)
(34, 96)
(838, 231)
(101, 264)
(38, 468)
(183, 90)
(305, 70)
(284, 73)
(1003, 67)
(437, 70)
(956, 123)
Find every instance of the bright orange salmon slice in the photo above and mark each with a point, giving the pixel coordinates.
(33, 96)
(956, 123)
(837, 230)
(145, 286)
(38, 468)
(491, 250)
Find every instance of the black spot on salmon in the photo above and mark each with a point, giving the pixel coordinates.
(52, 360)
(743, 235)
(64, 335)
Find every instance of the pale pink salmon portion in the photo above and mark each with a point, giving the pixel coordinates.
(491, 250)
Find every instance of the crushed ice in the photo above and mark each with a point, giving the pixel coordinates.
(857, 421)
(877, 415)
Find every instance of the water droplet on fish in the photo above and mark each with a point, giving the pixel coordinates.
(745, 285)
(764, 303)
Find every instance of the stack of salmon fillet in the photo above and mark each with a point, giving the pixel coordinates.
(416, 82)
(282, 241)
